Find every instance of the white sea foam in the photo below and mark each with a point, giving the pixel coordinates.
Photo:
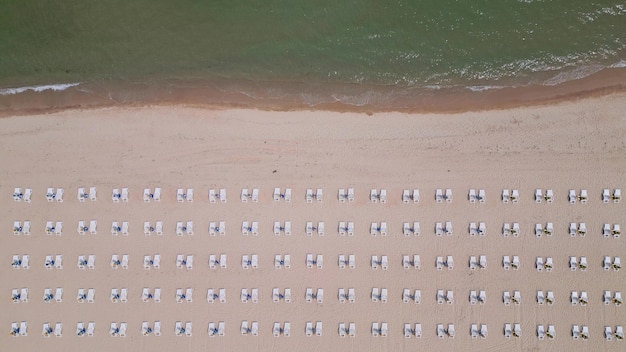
(55, 87)
(483, 88)
(619, 64)
(576, 73)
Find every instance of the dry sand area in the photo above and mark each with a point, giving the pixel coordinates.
(576, 145)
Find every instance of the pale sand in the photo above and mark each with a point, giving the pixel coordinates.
(571, 145)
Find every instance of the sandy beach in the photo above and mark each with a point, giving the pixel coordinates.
(570, 145)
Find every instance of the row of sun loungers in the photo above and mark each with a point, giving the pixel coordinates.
(280, 261)
(343, 295)
(344, 228)
(314, 329)
(376, 195)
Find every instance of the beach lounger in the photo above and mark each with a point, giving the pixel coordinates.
(438, 195)
(538, 195)
(405, 196)
(319, 261)
(157, 195)
(308, 331)
(550, 297)
(440, 331)
(24, 294)
(92, 194)
(58, 261)
(49, 228)
(608, 333)
(319, 195)
(574, 298)
(482, 196)
(384, 329)
(212, 196)
(91, 261)
(584, 299)
(473, 262)
(46, 330)
(551, 333)
(115, 229)
(448, 228)
(474, 331)
(472, 196)
(180, 195)
(616, 231)
(451, 331)
(383, 295)
(255, 195)
(245, 262)
(81, 195)
(17, 194)
(617, 195)
(93, 227)
(517, 297)
(375, 329)
(287, 295)
(26, 228)
(116, 195)
(540, 297)
(277, 195)
(506, 262)
(450, 262)
(384, 262)
(573, 229)
(351, 261)
(276, 330)
(539, 264)
(538, 230)
(617, 263)
(222, 261)
(115, 261)
(514, 196)
(549, 230)
(450, 297)
(319, 296)
(59, 195)
(189, 228)
(342, 330)
(549, 264)
(515, 231)
(254, 330)
(606, 297)
(583, 196)
(320, 229)
(350, 195)
(254, 295)
(572, 196)
(244, 195)
(58, 294)
(541, 332)
(438, 229)
(506, 298)
(508, 331)
(619, 332)
(58, 329)
(342, 261)
(439, 263)
(178, 328)
(80, 329)
(549, 197)
(50, 195)
(58, 228)
(90, 295)
(472, 229)
(309, 195)
(505, 196)
(383, 196)
(483, 331)
(440, 297)
(448, 195)
(122, 331)
(16, 262)
(276, 295)
(27, 195)
(342, 195)
(573, 263)
(82, 228)
(517, 330)
(25, 261)
(81, 262)
(48, 264)
(575, 332)
(617, 298)
(582, 229)
(606, 196)
(188, 328)
(373, 195)
(212, 261)
(473, 297)
(582, 263)
(222, 195)
(374, 262)
(406, 262)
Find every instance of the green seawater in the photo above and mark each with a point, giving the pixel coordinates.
(395, 42)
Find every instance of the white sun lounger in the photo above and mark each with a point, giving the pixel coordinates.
(81, 262)
(506, 298)
(474, 331)
(448, 228)
(91, 261)
(116, 195)
(506, 262)
(473, 297)
(449, 262)
(81, 195)
(448, 195)
(538, 195)
(50, 195)
(514, 196)
(93, 227)
(439, 263)
(351, 261)
(472, 195)
(440, 331)
(505, 196)
(549, 264)
(541, 332)
(572, 196)
(483, 331)
(320, 295)
(59, 195)
(540, 297)
(482, 196)
(438, 195)
(46, 330)
(384, 262)
(551, 331)
(508, 331)
(58, 329)
(58, 261)
(90, 295)
(309, 195)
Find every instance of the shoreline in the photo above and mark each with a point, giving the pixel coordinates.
(293, 96)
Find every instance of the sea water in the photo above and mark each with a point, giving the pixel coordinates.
(405, 44)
